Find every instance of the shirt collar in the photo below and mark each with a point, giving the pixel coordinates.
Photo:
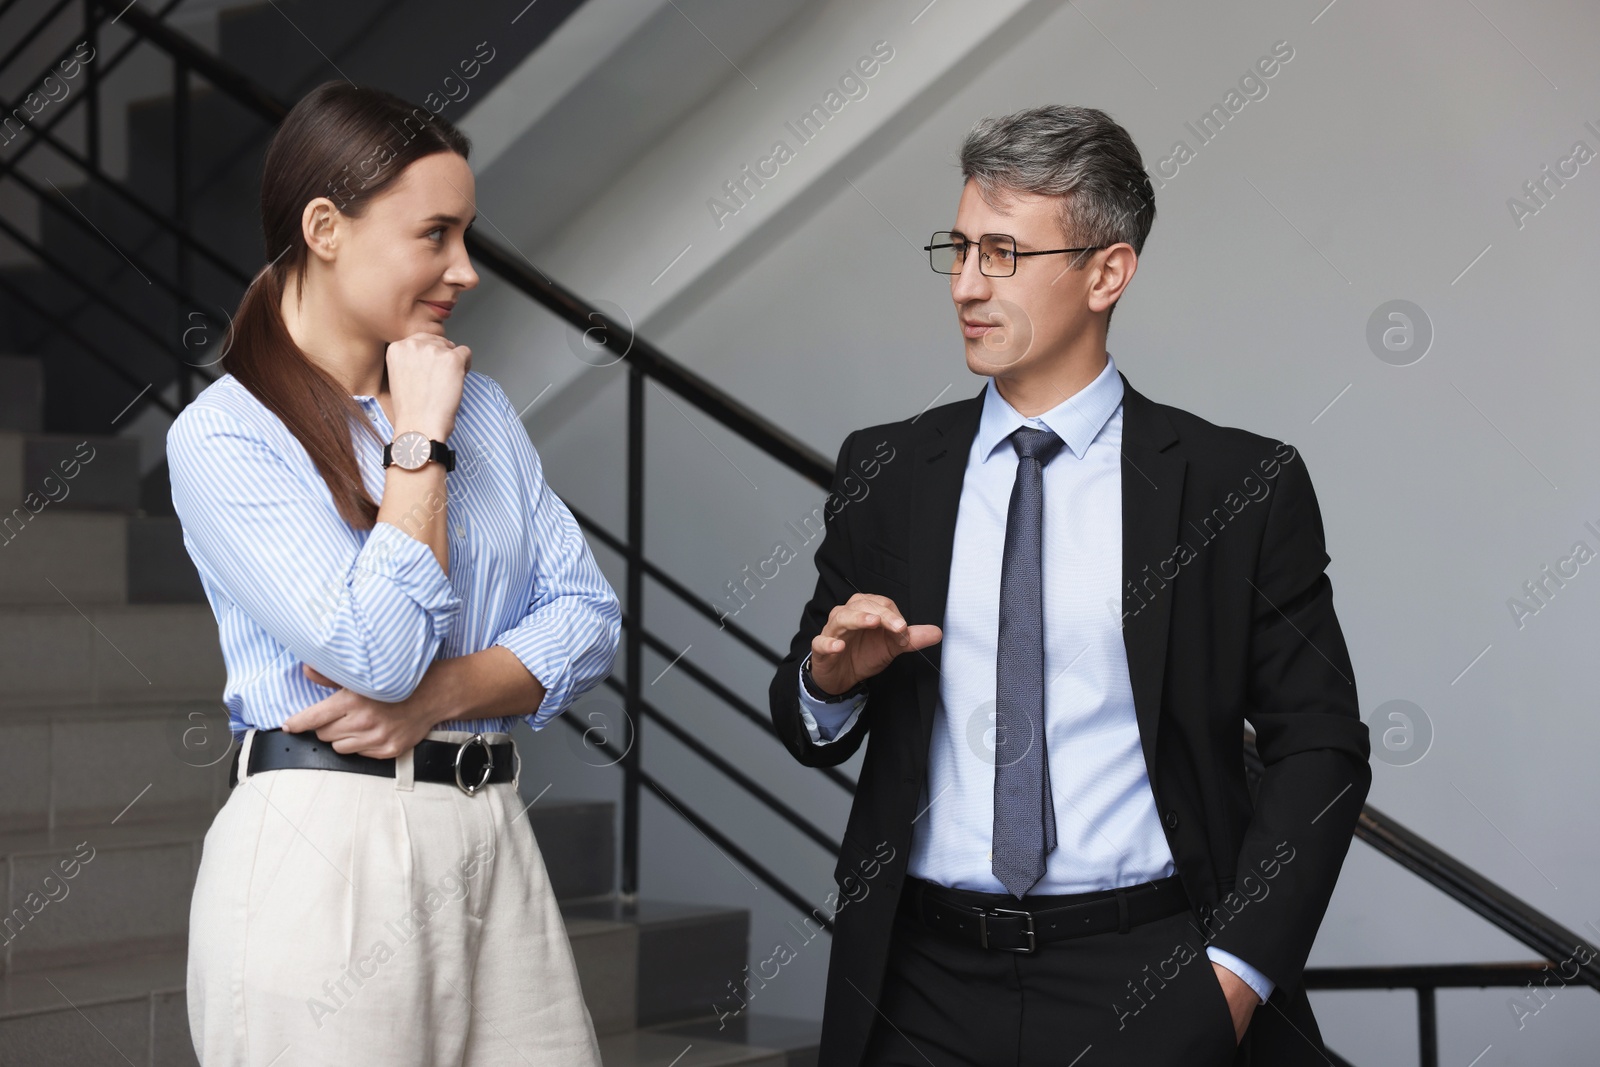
(1077, 420)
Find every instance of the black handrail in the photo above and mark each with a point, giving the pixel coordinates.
(42, 133)
(714, 401)
(682, 592)
(58, 323)
(95, 296)
(715, 836)
(742, 780)
(1446, 873)
(1426, 979)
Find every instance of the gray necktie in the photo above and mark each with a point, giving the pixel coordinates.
(1024, 817)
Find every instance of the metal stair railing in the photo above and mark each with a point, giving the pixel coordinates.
(1466, 886)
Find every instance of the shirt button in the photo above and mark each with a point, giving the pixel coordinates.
(459, 531)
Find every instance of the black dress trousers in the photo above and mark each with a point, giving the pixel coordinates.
(1148, 997)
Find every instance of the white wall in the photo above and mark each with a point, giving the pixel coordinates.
(1377, 167)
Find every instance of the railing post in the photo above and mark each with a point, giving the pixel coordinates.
(1427, 1027)
(631, 782)
(91, 123)
(180, 201)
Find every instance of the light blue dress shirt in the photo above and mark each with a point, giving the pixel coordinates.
(291, 582)
(1107, 827)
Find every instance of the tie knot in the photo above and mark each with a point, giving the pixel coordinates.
(1031, 443)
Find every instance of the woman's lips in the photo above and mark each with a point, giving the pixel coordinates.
(442, 309)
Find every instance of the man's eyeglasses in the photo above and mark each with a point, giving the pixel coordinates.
(997, 253)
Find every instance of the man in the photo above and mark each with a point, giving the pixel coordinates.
(1054, 613)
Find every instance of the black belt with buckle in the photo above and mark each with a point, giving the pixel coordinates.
(1002, 922)
(470, 764)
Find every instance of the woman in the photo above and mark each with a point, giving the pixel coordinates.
(394, 584)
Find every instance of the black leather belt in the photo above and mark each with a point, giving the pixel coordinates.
(470, 764)
(1004, 923)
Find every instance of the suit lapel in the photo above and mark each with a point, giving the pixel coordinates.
(938, 467)
(1152, 491)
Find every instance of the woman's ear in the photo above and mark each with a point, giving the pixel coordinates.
(320, 224)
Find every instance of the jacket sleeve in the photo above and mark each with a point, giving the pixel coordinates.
(370, 614)
(1315, 748)
(825, 722)
(836, 583)
(569, 632)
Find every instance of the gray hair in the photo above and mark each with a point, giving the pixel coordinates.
(1077, 153)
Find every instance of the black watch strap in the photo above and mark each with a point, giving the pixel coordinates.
(437, 451)
(823, 695)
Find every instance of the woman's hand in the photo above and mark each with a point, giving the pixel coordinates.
(427, 374)
(354, 723)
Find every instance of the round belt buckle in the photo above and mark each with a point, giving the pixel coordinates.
(487, 770)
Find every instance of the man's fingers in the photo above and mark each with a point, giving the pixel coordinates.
(866, 616)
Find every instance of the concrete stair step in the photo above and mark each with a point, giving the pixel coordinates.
(61, 557)
(84, 894)
(686, 954)
(577, 840)
(159, 568)
(82, 765)
(65, 472)
(90, 654)
(653, 1048)
(92, 557)
(796, 1039)
(108, 1013)
(21, 393)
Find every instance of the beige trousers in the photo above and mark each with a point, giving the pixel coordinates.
(346, 919)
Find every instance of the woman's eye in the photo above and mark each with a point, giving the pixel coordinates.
(436, 229)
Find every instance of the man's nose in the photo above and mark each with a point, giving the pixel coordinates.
(971, 284)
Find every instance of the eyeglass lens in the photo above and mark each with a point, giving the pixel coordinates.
(997, 253)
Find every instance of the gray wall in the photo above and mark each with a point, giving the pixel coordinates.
(1377, 167)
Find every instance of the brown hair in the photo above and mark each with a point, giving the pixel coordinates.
(348, 143)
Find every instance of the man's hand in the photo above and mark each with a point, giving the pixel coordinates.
(861, 638)
(354, 723)
(1242, 1000)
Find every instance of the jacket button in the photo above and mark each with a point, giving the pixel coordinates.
(1172, 819)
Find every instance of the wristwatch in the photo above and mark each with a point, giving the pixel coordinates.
(822, 694)
(410, 450)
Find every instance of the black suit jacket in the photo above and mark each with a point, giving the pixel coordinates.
(1227, 617)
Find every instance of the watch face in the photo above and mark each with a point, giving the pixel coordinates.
(410, 450)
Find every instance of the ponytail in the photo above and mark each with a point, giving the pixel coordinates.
(314, 407)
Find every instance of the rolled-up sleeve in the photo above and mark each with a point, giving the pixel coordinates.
(568, 635)
(371, 616)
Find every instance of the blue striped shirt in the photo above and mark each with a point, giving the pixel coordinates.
(291, 582)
